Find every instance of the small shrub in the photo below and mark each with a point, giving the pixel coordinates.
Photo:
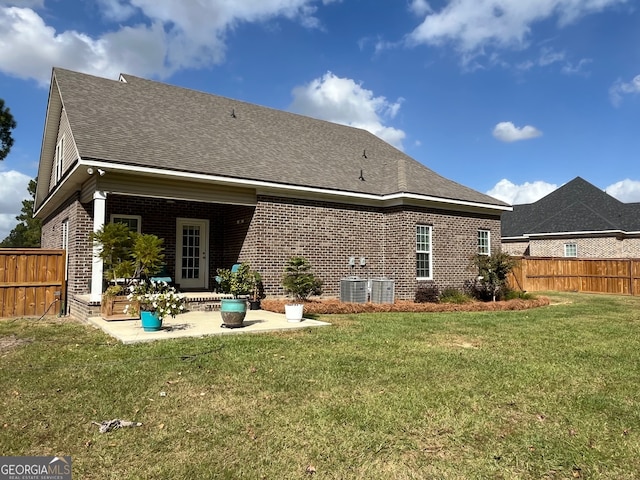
(477, 291)
(453, 295)
(492, 274)
(299, 281)
(427, 293)
(517, 294)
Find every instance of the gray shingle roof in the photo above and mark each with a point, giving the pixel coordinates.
(151, 124)
(577, 206)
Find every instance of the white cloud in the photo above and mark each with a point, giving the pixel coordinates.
(579, 69)
(620, 88)
(508, 132)
(342, 100)
(518, 194)
(473, 25)
(627, 191)
(116, 10)
(173, 35)
(13, 190)
(419, 7)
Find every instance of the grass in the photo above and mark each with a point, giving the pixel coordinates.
(548, 393)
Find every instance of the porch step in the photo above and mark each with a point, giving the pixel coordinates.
(204, 301)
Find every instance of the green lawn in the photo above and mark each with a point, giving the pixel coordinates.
(550, 393)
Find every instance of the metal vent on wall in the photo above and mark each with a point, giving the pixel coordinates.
(353, 290)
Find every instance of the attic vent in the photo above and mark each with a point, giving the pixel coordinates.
(122, 79)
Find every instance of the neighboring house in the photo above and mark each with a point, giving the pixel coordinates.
(224, 181)
(576, 220)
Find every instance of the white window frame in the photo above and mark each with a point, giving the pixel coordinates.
(484, 249)
(58, 160)
(115, 216)
(567, 250)
(422, 230)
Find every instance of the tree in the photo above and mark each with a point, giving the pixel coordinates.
(7, 123)
(27, 233)
(493, 271)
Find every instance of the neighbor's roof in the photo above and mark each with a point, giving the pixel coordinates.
(577, 206)
(150, 124)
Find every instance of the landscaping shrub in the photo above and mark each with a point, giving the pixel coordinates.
(454, 295)
(427, 293)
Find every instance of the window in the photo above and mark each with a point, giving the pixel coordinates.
(131, 221)
(58, 161)
(423, 252)
(570, 250)
(484, 242)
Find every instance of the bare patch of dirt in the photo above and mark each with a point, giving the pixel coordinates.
(10, 342)
(330, 306)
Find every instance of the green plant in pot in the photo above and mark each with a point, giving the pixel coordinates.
(239, 282)
(257, 291)
(126, 256)
(301, 283)
(156, 301)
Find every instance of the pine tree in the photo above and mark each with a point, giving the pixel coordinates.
(26, 234)
(7, 123)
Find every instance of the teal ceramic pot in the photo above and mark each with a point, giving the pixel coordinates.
(233, 311)
(151, 321)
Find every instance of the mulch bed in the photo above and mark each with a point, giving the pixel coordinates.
(330, 306)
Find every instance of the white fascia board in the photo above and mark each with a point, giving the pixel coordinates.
(586, 233)
(271, 187)
(448, 201)
(523, 238)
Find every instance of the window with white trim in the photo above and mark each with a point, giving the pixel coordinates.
(423, 252)
(484, 242)
(134, 222)
(570, 250)
(58, 160)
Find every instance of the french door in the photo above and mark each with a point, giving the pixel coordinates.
(192, 253)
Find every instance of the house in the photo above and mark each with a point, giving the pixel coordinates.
(224, 181)
(576, 220)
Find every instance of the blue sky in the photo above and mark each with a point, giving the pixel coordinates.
(510, 97)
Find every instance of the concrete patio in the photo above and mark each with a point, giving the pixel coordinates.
(199, 324)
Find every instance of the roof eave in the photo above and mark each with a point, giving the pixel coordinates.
(74, 182)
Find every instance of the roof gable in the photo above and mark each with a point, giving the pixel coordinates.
(577, 206)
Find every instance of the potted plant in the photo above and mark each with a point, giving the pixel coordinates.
(300, 282)
(126, 255)
(238, 282)
(156, 301)
(257, 292)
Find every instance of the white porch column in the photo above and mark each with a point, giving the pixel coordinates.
(99, 212)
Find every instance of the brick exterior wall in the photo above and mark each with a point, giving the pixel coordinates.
(267, 235)
(327, 234)
(518, 249)
(454, 239)
(80, 251)
(597, 247)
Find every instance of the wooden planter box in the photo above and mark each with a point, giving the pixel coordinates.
(112, 308)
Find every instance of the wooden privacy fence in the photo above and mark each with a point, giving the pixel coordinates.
(619, 276)
(32, 280)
